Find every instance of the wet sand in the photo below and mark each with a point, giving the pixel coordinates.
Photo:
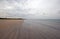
(29, 29)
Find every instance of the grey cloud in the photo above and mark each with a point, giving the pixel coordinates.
(31, 9)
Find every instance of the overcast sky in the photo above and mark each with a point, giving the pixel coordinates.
(30, 9)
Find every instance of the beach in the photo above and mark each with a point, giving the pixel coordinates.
(29, 29)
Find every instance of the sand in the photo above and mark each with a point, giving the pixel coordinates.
(29, 29)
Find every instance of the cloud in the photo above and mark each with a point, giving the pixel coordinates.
(31, 9)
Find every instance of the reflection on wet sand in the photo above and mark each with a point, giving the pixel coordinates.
(29, 29)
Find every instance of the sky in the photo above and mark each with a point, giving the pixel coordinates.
(30, 9)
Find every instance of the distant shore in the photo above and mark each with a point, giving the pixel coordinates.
(11, 19)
